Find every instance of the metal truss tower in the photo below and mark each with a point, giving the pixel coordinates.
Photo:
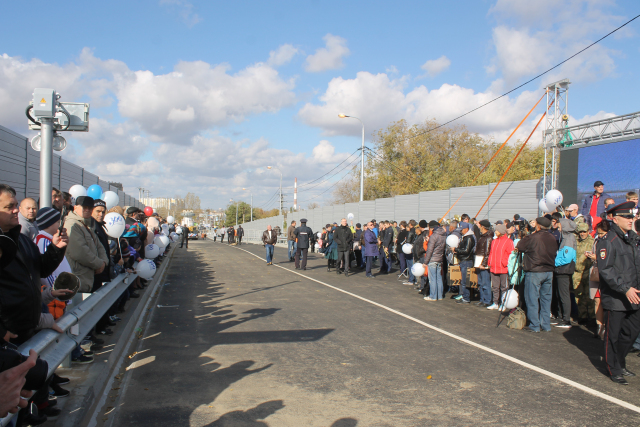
(554, 131)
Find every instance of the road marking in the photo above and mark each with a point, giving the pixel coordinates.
(471, 343)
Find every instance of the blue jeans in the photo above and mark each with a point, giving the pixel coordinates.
(484, 285)
(435, 280)
(412, 278)
(402, 260)
(292, 248)
(464, 291)
(269, 252)
(538, 286)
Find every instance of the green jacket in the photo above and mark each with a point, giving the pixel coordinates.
(85, 253)
(582, 262)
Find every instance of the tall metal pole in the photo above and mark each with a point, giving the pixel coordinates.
(46, 161)
(251, 219)
(280, 193)
(362, 167)
(236, 214)
(344, 116)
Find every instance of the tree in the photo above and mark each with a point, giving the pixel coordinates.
(313, 205)
(191, 201)
(408, 160)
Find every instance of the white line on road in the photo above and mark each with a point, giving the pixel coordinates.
(473, 344)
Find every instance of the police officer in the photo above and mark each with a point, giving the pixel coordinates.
(304, 237)
(619, 268)
(185, 236)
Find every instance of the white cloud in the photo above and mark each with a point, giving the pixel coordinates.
(283, 55)
(185, 11)
(169, 107)
(379, 100)
(328, 57)
(528, 39)
(433, 67)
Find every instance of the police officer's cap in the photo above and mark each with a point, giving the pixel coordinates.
(623, 209)
(303, 220)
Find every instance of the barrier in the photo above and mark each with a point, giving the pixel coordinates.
(55, 347)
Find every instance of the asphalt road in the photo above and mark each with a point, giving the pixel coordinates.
(256, 345)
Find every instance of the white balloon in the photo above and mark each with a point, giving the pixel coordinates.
(453, 241)
(542, 204)
(77, 191)
(153, 223)
(170, 219)
(146, 269)
(151, 251)
(349, 216)
(114, 224)
(111, 199)
(154, 210)
(553, 199)
(161, 241)
(319, 234)
(509, 300)
(174, 237)
(417, 269)
(164, 227)
(179, 230)
(407, 248)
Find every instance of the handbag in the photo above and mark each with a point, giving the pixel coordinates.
(517, 319)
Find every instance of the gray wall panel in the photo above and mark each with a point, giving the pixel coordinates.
(367, 211)
(433, 204)
(385, 209)
(407, 207)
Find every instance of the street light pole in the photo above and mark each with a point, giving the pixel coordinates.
(271, 167)
(344, 116)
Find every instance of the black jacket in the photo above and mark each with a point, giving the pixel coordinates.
(483, 247)
(104, 239)
(402, 239)
(539, 251)
(20, 294)
(466, 249)
(418, 246)
(304, 235)
(619, 268)
(344, 238)
(386, 237)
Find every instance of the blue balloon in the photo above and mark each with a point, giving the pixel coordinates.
(94, 191)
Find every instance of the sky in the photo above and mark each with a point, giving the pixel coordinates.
(202, 96)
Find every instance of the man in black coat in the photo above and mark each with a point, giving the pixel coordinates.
(344, 238)
(20, 293)
(304, 238)
(619, 269)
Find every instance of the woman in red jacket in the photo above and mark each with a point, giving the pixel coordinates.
(498, 264)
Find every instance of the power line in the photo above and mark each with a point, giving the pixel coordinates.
(326, 180)
(392, 167)
(332, 186)
(527, 82)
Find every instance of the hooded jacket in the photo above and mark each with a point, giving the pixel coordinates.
(583, 263)
(436, 246)
(85, 253)
(501, 249)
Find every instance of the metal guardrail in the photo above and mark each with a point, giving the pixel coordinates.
(55, 347)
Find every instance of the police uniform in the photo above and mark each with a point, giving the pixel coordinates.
(304, 238)
(619, 268)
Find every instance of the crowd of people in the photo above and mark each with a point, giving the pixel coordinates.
(50, 258)
(573, 266)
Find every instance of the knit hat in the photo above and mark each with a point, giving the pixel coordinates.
(485, 223)
(423, 223)
(500, 228)
(98, 202)
(433, 224)
(544, 221)
(46, 217)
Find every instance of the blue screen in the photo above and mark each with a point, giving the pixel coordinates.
(616, 164)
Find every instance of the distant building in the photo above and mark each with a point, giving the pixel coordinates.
(187, 222)
(161, 202)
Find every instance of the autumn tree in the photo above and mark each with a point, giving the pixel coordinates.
(410, 159)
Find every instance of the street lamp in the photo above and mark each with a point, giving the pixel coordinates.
(251, 194)
(271, 167)
(344, 116)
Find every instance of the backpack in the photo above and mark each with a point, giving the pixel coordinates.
(517, 319)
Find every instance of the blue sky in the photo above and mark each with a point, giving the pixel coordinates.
(201, 96)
